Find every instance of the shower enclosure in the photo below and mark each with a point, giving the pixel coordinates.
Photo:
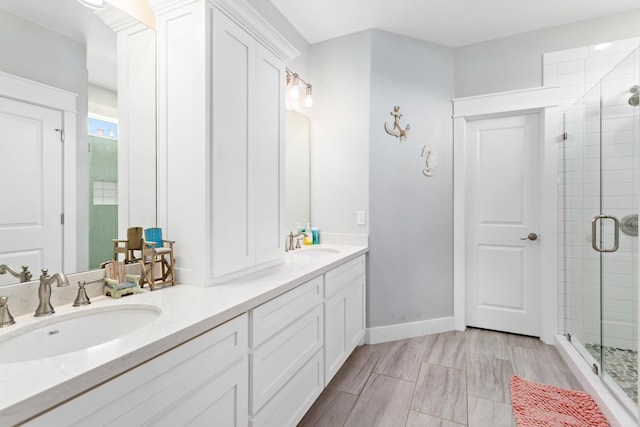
(599, 193)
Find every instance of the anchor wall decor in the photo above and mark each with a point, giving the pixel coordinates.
(397, 130)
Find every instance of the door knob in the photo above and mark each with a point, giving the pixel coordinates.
(530, 236)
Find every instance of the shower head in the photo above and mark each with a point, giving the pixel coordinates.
(634, 100)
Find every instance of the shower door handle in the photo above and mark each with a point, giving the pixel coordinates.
(616, 233)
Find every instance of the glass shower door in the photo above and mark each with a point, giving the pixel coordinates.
(600, 193)
(619, 185)
(581, 196)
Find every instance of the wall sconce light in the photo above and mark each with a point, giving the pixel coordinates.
(308, 101)
(293, 91)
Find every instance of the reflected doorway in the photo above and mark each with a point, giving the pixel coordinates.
(103, 189)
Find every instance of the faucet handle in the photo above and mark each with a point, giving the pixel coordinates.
(45, 272)
(82, 298)
(6, 319)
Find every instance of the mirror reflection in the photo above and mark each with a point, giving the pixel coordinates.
(62, 45)
(297, 185)
(65, 45)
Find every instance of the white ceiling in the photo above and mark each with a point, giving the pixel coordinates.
(450, 23)
(78, 22)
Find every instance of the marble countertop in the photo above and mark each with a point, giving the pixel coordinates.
(31, 387)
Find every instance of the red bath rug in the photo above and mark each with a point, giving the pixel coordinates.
(541, 405)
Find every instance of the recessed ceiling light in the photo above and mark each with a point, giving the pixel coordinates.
(93, 4)
(601, 46)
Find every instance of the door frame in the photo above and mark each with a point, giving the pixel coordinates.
(544, 101)
(28, 91)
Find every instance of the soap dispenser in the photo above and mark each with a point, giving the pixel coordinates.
(308, 236)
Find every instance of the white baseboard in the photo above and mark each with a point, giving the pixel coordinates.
(408, 330)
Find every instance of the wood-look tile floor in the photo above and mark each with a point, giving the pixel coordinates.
(450, 379)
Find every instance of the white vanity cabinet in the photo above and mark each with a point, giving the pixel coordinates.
(201, 382)
(220, 140)
(263, 368)
(344, 313)
(247, 149)
(299, 341)
(287, 359)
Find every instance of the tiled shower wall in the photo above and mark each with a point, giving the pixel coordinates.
(620, 189)
(578, 73)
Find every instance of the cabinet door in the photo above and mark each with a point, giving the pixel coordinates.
(233, 236)
(355, 318)
(335, 343)
(344, 313)
(267, 148)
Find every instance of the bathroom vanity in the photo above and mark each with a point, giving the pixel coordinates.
(257, 350)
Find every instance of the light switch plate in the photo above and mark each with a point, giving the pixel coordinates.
(361, 218)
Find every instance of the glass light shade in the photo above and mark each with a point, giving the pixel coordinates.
(308, 101)
(294, 91)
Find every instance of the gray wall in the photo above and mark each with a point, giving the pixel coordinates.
(41, 55)
(357, 80)
(411, 228)
(355, 165)
(38, 54)
(339, 70)
(515, 62)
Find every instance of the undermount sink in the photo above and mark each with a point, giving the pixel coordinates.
(66, 333)
(316, 252)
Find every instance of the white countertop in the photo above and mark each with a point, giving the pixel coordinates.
(31, 387)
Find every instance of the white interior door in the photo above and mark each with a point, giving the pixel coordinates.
(502, 285)
(31, 176)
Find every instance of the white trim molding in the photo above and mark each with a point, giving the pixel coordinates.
(506, 102)
(543, 100)
(117, 20)
(408, 330)
(244, 15)
(19, 88)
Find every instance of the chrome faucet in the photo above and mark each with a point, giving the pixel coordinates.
(24, 275)
(289, 246)
(44, 292)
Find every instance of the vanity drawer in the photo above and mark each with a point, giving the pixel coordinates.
(293, 400)
(278, 359)
(271, 317)
(341, 277)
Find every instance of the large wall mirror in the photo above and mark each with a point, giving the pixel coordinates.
(65, 45)
(297, 185)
